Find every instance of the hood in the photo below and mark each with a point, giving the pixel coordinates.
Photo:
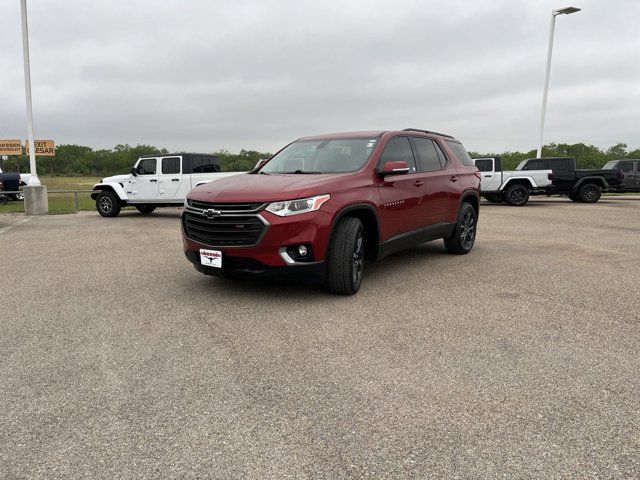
(116, 179)
(265, 188)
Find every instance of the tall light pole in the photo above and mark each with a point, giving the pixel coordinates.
(545, 92)
(33, 179)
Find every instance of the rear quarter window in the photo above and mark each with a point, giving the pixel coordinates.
(461, 153)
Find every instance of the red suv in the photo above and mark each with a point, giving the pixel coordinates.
(323, 205)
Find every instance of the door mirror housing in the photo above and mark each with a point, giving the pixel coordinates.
(394, 168)
(133, 171)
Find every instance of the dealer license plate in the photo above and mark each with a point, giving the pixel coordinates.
(211, 258)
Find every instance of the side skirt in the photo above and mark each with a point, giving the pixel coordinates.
(415, 237)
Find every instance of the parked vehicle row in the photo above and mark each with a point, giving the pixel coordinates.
(156, 181)
(562, 178)
(512, 187)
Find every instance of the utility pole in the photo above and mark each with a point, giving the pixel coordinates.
(33, 179)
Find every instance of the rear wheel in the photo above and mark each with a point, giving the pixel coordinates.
(590, 193)
(18, 196)
(108, 204)
(464, 236)
(346, 258)
(517, 195)
(145, 209)
(3, 199)
(494, 197)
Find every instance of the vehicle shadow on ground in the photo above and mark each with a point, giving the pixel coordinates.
(422, 257)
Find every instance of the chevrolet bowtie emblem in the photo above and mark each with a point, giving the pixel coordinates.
(212, 213)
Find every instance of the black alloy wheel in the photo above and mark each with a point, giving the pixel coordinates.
(517, 195)
(590, 193)
(464, 236)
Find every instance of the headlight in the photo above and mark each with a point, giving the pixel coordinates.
(293, 207)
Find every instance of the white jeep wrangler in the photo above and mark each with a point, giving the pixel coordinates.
(512, 187)
(156, 181)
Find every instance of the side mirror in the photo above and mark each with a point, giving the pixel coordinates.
(394, 168)
(133, 171)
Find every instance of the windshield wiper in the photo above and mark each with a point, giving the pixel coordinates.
(303, 172)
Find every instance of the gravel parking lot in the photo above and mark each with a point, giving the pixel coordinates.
(520, 360)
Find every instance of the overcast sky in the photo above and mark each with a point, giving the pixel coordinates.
(205, 75)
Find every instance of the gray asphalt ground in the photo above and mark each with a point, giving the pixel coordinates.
(519, 360)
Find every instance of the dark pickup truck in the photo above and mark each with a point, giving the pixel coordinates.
(631, 170)
(579, 185)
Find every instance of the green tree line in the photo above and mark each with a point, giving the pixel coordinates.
(587, 156)
(78, 160)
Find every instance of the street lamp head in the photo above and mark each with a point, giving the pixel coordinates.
(566, 11)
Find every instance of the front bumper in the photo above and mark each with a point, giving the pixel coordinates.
(264, 259)
(246, 267)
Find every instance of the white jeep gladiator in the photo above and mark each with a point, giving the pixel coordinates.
(512, 187)
(156, 181)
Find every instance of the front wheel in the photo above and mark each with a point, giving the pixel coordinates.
(145, 209)
(3, 199)
(464, 236)
(346, 258)
(517, 195)
(18, 196)
(108, 204)
(590, 193)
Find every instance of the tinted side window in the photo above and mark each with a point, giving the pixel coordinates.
(441, 156)
(461, 153)
(204, 165)
(399, 150)
(171, 165)
(484, 164)
(427, 154)
(147, 166)
(626, 167)
(534, 165)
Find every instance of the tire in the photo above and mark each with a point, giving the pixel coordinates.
(464, 236)
(3, 199)
(494, 197)
(517, 195)
(108, 204)
(590, 193)
(574, 197)
(346, 257)
(145, 209)
(18, 197)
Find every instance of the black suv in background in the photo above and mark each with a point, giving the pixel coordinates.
(631, 171)
(579, 185)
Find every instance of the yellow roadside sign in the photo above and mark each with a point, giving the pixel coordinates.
(10, 147)
(44, 148)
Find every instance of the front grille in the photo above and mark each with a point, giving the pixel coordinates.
(223, 231)
(226, 207)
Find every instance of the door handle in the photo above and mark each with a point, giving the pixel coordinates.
(418, 183)
(454, 179)
(487, 175)
(155, 180)
(175, 179)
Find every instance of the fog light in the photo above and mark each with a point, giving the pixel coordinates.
(302, 251)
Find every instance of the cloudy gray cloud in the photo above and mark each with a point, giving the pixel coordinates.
(204, 75)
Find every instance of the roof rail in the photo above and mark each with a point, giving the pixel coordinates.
(427, 131)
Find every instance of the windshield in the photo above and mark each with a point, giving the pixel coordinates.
(322, 156)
